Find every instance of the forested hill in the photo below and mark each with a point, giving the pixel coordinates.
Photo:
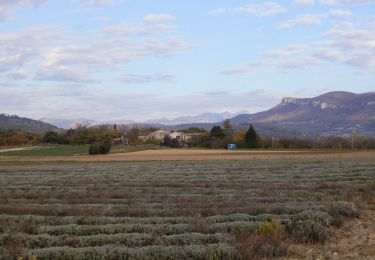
(12, 122)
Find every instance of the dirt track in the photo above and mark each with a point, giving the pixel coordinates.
(191, 154)
(4, 150)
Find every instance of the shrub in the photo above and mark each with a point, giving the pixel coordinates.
(309, 226)
(255, 246)
(199, 223)
(102, 147)
(268, 249)
(10, 248)
(7, 254)
(272, 229)
(267, 243)
(340, 211)
(344, 209)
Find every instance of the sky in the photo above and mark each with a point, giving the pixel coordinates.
(144, 59)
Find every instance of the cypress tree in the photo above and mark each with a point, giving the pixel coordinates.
(252, 138)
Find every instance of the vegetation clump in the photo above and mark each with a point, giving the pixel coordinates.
(341, 211)
(103, 147)
(344, 209)
(309, 226)
(199, 223)
(272, 229)
(268, 242)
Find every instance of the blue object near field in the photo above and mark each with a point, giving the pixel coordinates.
(232, 147)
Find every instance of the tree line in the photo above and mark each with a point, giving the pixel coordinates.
(222, 136)
(100, 138)
(14, 138)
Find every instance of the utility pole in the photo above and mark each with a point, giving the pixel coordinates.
(273, 143)
(353, 136)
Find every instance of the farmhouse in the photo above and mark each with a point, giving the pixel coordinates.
(120, 141)
(161, 134)
(158, 135)
(179, 136)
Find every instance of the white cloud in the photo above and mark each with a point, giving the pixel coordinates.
(235, 71)
(20, 74)
(61, 73)
(157, 18)
(286, 64)
(332, 2)
(297, 63)
(264, 9)
(145, 79)
(330, 55)
(343, 2)
(218, 11)
(8, 5)
(57, 55)
(347, 36)
(346, 44)
(17, 49)
(313, 19)
(291, 50)
(304, 2)
(357, 45)
(98, 3)
(293, 57)
(340, 13)
(301, 20)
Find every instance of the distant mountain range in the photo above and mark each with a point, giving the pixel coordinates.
(71, 123)
(332, 114)
(8, 122)
(203, 118)
(199, 119)
(68, 123)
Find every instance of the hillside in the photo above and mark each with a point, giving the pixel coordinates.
(334, 113)
(8, 122)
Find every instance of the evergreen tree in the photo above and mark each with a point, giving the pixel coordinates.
(252, 138)
(217, 132)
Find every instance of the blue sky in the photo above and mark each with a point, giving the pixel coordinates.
(142, 59)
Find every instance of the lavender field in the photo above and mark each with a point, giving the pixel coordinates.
(177, 209)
